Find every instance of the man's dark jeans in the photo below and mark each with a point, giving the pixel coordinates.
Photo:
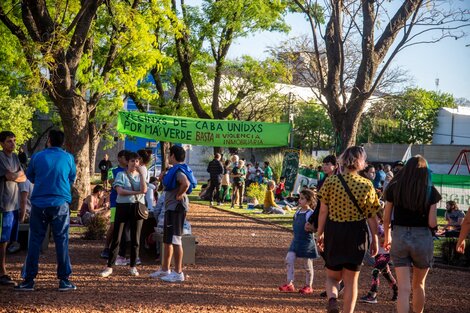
(59, 219)
(214, 188)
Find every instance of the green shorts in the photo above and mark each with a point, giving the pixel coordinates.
(113, 215)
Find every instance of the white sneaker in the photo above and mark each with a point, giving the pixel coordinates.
(134, 271)
(160, 273)
(137, 261)
(108, 271)
(120, 261)
(173, 277)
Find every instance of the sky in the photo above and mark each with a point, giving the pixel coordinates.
(447, 60)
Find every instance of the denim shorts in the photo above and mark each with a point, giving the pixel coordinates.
(9, 224)
(412, 246)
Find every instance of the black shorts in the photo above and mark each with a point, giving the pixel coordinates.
(173, 225)
(348, 266)
(104, 176)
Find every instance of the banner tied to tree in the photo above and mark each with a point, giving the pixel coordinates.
(204, 132)
(290, 167)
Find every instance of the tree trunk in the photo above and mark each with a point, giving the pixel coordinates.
(73, 112)
(165, 151)
(95, 140)
(346, 126)
(219, 150)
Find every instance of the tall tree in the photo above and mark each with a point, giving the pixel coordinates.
(378, 30)
(85, 55)
(202, 48)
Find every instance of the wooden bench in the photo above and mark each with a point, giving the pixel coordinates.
(45, 243)
(189, 248)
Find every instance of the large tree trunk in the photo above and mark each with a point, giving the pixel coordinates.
(73, 113)
(346, 125)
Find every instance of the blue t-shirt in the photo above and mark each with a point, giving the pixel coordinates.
(379, 179)
(53, 172)
(112, 173)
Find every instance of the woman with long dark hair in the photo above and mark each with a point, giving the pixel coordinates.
(412, 198)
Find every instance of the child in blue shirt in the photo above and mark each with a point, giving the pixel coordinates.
(303, 244)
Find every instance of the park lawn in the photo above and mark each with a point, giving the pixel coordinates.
(281, 220)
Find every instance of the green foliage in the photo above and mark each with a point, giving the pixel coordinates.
(96, 229)
(312, 127)
(450, 256)
(219, 84)
(15, 115)
(275, 161)
(307, 159)
(256, 191)
(410, 117)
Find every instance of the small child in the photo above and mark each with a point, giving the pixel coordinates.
(381, 265)
(303, 244)
(281, 188)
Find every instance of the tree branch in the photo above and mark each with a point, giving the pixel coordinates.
(183, 56)
(312, 21)
(42, 20)
(82, 28)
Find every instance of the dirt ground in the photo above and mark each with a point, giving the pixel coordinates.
(240, 263)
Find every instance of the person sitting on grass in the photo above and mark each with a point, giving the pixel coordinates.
(94, 204)
(204, 194)
(281, 188)
(270, 207)
(303, 244)
(454, 217)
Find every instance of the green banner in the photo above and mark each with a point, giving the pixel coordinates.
(290, 167)
(453, 187)
(203, 132)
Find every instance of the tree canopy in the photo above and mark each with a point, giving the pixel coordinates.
(409, 117)
(377, 31)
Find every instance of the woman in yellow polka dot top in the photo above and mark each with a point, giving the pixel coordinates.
(342, 230)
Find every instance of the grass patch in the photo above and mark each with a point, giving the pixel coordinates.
(278, 219)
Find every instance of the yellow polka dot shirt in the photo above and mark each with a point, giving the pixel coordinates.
(340, 206)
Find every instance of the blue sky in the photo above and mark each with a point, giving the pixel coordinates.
(448, 60)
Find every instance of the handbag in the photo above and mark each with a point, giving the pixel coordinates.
(351, 196)
(142, 210)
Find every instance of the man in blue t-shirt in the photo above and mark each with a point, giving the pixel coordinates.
(53, 172)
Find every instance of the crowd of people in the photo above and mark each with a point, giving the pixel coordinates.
(52, 172)
(230, 179)
(357, 212)
(350, 212)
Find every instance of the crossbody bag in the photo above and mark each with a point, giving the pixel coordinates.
(351, 196)
(142, 210)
